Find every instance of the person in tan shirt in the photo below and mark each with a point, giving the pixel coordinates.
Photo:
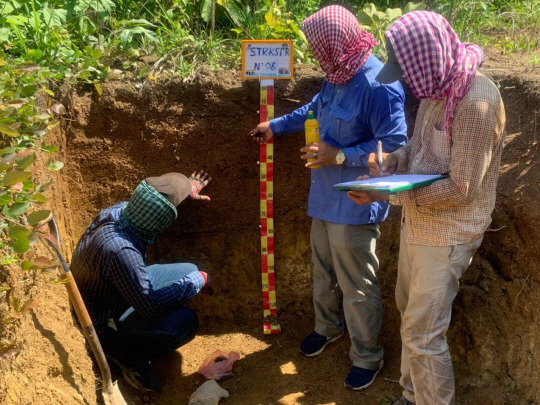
(459, 132)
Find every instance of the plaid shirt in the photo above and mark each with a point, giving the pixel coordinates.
(109, 266)
(458, 209)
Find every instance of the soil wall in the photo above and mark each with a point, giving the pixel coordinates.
(129, 133)
(113, 141)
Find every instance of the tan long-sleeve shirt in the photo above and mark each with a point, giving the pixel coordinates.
(457, 209)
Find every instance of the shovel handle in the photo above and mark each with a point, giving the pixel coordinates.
(80, 309)
(76, 299)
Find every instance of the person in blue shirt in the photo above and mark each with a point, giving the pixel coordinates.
(354, 112)
(138, 309)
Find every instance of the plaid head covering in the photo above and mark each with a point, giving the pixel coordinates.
(148, 213)
(434, 61)
(338, 42)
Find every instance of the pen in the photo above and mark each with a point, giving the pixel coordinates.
(379, 156)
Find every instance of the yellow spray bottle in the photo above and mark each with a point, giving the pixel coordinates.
(312, 133)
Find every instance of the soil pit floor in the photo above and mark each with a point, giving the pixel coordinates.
(271, 371)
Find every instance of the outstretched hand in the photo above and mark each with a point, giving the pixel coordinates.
(198, 182)
(262, 133)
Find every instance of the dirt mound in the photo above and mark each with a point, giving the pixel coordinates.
(133, 131)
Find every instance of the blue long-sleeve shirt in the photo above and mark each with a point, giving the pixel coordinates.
(109, 266)
(353, 116)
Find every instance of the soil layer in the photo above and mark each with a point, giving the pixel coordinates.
(133, 131)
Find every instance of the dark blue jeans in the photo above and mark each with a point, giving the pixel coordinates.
(137, 338)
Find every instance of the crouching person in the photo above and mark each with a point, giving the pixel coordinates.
(138, 309)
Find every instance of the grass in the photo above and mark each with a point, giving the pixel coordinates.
(510, 25)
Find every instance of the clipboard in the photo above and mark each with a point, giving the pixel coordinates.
(391, 184)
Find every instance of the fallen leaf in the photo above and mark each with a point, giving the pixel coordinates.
(17, 187)
(58, 109)
(16, 103)
(29, 306)
(28, 67)
(25, 152)
(42, 261)
(9, 353)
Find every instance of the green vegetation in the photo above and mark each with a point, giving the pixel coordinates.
(25, 117)
(82, 39)
(43, 42)
(377, 21)
(510, 25)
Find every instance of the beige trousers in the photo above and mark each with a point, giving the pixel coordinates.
(428, 281)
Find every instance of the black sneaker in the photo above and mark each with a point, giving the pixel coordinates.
(360, 378)
(314, 344)
(143, 377)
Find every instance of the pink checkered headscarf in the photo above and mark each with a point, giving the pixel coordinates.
(338, 42)
(434, 61)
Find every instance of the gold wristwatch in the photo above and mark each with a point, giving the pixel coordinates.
(340, 157)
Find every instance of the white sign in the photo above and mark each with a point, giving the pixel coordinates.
(267, 59)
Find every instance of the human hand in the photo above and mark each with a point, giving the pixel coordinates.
(207, 288)
(262, 133)
(388, 167)
(198, 182)
(366, 197)
(323, 153)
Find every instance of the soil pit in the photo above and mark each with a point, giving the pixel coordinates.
(111, 142)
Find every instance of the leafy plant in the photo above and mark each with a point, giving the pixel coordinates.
(134, 33)
(46, 33)
(377, 21)
(25, 118)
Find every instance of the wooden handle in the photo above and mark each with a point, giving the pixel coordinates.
(76, 300)
(84, 318)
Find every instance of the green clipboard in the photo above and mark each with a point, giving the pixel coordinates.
(391, 184)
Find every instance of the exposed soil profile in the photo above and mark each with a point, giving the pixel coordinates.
(111, 142)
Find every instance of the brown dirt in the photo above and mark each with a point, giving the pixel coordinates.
(49, 363)
(111, 142)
